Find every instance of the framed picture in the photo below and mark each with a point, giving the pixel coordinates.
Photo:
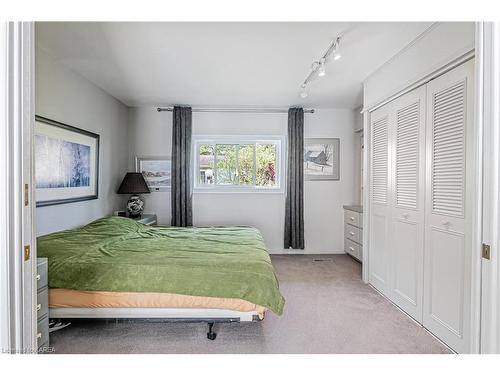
(156, 172)
(66, 163)
(322, 159)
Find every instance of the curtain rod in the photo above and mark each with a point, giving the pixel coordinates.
(239, 110)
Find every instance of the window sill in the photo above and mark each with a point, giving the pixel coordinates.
(237, 191)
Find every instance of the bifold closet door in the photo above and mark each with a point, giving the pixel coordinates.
(448, 247)
(407, 202)
(380, 210)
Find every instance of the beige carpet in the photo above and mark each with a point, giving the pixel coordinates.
(328, 310)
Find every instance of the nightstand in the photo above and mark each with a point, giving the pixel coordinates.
(146, 219)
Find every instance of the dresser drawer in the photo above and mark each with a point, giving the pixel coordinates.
(42, 335)
(353, 233)
(42, 272)
(352, 248)
(42, 301)
(353, 218)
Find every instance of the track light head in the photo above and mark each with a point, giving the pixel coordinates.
(303, 92)
(336, 53)
(321, 68)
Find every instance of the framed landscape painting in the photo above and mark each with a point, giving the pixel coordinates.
(66, 163)
(322, 159)
(156, 172)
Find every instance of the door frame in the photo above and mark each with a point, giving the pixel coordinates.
(17, 273)
(477, 203)
(488, 42)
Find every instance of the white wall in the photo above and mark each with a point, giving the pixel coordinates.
(441, 44)
(64, 96)
(150, 135)
(358, 126)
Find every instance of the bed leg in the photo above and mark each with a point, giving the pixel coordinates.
(211, 335)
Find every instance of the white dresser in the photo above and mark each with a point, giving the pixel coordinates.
(353, 231)
(42, 307)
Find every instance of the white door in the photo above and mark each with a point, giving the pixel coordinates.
(380, 211)
(407, 202)
(448, 247)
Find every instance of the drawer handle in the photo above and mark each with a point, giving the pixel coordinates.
(351, 248)
(39, 336)
(38, 307)
(351, 233)
(38, 277)
(351, 218)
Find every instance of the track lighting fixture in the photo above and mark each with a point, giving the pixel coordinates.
(318, 68)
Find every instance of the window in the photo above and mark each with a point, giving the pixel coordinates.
(238, 164)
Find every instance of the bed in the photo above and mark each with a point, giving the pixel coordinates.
(117, 268)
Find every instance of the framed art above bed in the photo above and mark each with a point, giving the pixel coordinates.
(66, 163)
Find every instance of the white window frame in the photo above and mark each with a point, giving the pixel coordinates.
(279, 141)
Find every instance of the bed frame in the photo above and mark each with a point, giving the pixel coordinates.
(210, 316)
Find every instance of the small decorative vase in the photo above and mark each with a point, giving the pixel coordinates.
(135, 206)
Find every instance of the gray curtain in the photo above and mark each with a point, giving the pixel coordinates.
(294, 206)
(181, 194)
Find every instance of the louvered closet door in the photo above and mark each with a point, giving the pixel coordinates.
(379, 258)
(448, 248)
(407, 201)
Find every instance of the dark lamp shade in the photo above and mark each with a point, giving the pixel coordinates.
(133, 183)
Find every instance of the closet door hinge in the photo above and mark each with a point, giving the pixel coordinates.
(26, 195)
(485, 251)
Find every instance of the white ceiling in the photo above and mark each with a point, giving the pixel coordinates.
(224, 64)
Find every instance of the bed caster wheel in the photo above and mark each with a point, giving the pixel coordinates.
(211, 335)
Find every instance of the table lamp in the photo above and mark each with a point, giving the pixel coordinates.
(134, 183)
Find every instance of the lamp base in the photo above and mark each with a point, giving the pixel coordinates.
(135, 206)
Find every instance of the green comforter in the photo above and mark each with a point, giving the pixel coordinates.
(119, 254)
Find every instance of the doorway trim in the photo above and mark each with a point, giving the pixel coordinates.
(488, 40)
(18, 242)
